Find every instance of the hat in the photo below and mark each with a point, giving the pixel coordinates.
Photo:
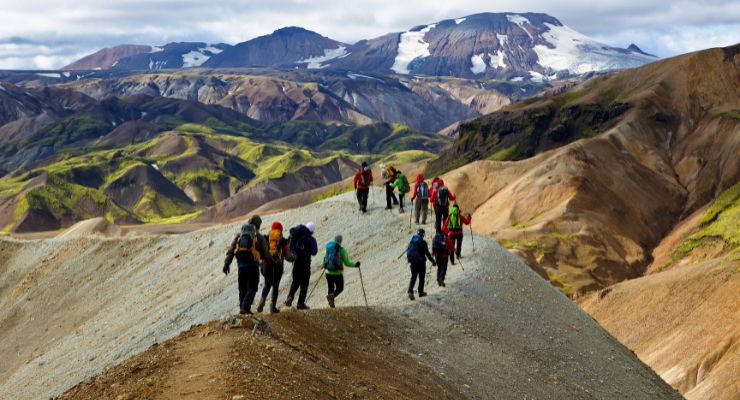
(364, 164)
(256, 221)
(420, 232)
(311, 227)
(277, 225)
(338, 239)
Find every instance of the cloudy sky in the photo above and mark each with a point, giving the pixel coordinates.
(47, 34)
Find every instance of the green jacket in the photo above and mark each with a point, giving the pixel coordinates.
(399, 184)
(345, 260)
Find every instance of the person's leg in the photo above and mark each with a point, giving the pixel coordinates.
(295, 284)
(438, 219)
(417, 209)
(388, 193)
(267, 272)
(400, 200)
(424, 210)
(422, 275)
(442, 269)
(242, 279)
(253, 280)
(358, 193)
(277, 275)
(458, 243)
(329, 285)
(365, 195)
(305, 278)
(438, 259)
(412, 282)
(338, 285)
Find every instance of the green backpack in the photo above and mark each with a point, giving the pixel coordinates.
(454, 221)
(405, 188)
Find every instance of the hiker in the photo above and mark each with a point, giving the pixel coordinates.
(303, 245)
(454, 226)
(272, 269)
(334, 261)
(248, 251)
(443, 250)
(389, 176)
(363, 180)
(421, 195)
(417, 253)
(402, 184)
(441, 198)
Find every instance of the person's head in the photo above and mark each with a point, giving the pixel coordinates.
(256, 221)
(440, 182)
(277, 225)
(419, 178)
(338, 239)
(364, 165)
(420, 232)
(455, 206)
(311, 227)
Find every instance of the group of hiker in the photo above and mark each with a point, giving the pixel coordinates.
(255, 252)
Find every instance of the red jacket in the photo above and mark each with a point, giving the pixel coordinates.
(464, 219)
(368, 179)
(419, 179)
(433, 193)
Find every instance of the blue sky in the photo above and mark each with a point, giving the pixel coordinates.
(48, 34)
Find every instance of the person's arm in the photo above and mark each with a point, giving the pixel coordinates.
(413, 195)
(264, 248)
(450, 248)
(450, 195)
(345, 258)
(425, 249)
(229, 256)
(466, 219)
(357, 178)
(313, 249)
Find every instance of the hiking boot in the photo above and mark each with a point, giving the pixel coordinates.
(261, 305)
(389, 208)
(411, 295)
(274, 310)
(303, 307)
(442, 283)
(330, 299)
(400, 211)
(422, 294)
(289, 301)
(245, 312)
(439, 282)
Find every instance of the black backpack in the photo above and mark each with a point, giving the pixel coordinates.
(245, 250)
(439, 243)
(297, 234)
(422, 191)
(443, 196)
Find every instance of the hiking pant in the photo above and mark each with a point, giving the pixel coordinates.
(249, 279)
(301, 277)
(272, 273)
(441, 267)
(362, 198)
(440, 214)
(420, 208)
(389, 195)
(457, 240)
(400, 200)
(335, 284)
(417, 270)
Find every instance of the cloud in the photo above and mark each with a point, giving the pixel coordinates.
(52, 33)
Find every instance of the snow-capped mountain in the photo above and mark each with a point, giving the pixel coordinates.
(284, 47)
(487, 45)
(512, 46)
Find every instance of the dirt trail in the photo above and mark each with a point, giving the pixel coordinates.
(85, 304)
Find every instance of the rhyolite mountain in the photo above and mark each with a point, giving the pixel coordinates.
(488, 45)
(138, 57)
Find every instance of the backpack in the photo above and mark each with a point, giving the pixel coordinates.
(275, 238)
(245, 249)
(297, 234)
(333, 258)
(439, 243)
(404, 184)
(413, 251)
(443, 196)
(422, 191)
(454, 221)
(364, 179)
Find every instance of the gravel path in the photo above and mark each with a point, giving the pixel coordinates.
(70, 308)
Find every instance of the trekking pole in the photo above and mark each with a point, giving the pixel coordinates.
(461, 265)
(401, 255)
(363, 287)
(314, 286)
(411, 214)
(472, 238)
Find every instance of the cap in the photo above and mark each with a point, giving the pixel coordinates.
(311, 226)
(277, 225)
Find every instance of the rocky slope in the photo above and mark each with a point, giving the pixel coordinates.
(107, 57)
(143, 58)
(603, 171)
(130, 293)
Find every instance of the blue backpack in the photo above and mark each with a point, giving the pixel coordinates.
(333, 259)
(413, 251)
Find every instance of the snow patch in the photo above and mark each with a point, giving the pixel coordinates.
(459, 20)
(354, 76)
(143, 114)
(155, 166)
(2, 88)
(194, 58)
(479, 66)
(410, 47)
(66, 74)
(49, 74)
(114, 64)
(213, 50)
(519, 20)
(502, 39)
(579, 54)
(156, 49)
(329, 54)
(497, 60)
(517, 79)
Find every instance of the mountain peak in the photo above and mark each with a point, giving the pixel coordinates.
(292, 30)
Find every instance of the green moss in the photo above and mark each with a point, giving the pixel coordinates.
(734, 114)
(406, 157)
(568, 238)
(504, 154)
(559, 282)
(331, 192)
(721, 222)
(537, 247)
